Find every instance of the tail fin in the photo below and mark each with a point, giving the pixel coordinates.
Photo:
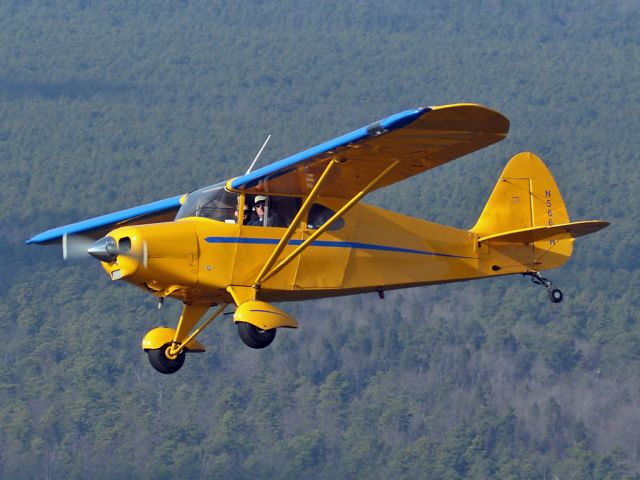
(525, 196)
(526, 219)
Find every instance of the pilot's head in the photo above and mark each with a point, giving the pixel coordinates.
(247, 212)
(258, 204)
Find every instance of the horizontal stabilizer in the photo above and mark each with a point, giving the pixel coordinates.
(536, 234)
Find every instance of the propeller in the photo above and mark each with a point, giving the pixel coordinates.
(105, 249)
(74, 247)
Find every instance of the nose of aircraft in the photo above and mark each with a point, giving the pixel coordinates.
(104, 250)
(155, 255)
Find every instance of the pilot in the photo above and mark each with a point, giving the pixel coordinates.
(246, 216)
(273, 219)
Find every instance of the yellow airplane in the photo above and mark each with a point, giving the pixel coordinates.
(303, 232)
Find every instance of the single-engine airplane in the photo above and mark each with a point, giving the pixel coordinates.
(303, 232)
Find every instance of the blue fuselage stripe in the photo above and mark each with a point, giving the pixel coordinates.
(329, 244)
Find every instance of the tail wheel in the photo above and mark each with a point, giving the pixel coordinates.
(253, 337)
(162, 363)
(555, 295)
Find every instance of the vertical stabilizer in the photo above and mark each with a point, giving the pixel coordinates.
(526, 196)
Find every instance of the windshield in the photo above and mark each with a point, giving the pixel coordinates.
(210, 202)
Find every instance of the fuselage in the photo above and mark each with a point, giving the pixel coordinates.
(196, 259)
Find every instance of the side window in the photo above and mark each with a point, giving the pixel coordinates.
(319, 214)
(272, 211)
(286, 207)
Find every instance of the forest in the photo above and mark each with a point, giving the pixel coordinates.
(108, 105)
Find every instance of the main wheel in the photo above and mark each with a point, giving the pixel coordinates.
(253, 337)
(163, 364)
(555, 296)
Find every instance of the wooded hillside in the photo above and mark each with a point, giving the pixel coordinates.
(106, 105)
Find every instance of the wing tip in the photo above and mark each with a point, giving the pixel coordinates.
(55, 235)
(494, 119)
(47, 237)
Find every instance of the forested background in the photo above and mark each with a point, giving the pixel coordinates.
(106, 105)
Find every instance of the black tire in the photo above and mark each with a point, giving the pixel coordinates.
(253, 337)
(162, 363)
(555, 295)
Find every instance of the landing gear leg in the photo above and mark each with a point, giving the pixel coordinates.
(166, 347)
(555, 295)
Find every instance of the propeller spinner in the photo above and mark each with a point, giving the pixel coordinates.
(106, 250)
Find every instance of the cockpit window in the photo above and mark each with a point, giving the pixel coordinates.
(216, 203)
(210, 202)
(318, 216)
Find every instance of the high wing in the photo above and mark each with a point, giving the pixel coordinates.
(420, 139)
(159, 211)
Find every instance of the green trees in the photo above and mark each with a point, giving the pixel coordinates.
(103, 107)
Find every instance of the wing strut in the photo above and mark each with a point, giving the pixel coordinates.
(296, 221)
(346, 207)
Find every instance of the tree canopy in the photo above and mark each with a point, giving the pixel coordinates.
(106, 105)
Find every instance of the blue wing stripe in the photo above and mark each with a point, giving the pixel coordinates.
(393, 122)
(159, 206)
